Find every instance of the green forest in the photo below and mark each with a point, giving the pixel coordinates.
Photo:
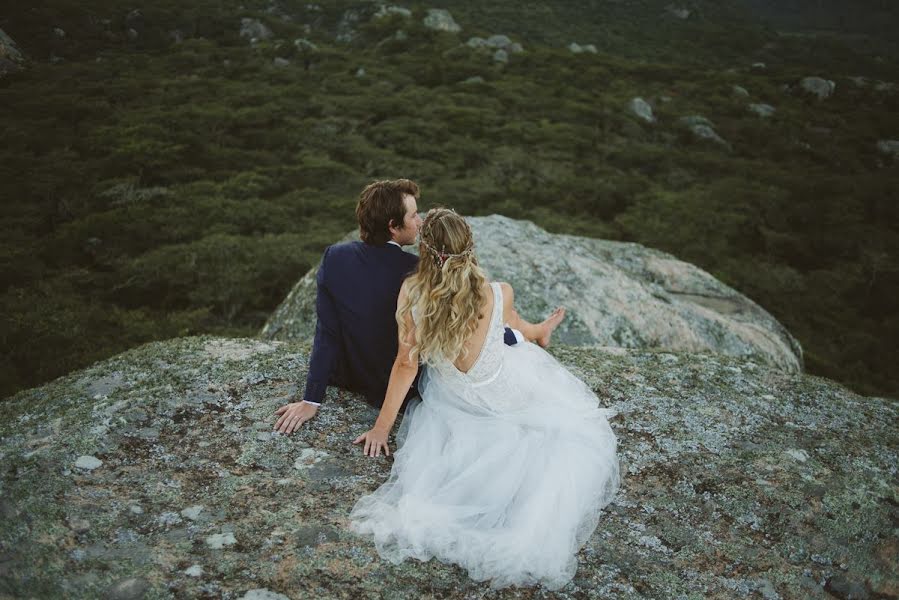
(162, 175)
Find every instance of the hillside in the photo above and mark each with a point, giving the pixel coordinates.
(165, 174)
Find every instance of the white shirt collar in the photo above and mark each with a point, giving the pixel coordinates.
(394, 243)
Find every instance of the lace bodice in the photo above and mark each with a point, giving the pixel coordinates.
(489, 362)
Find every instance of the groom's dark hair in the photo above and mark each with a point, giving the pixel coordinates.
(381, 206)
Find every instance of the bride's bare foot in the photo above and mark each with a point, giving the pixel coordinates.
(549, 325)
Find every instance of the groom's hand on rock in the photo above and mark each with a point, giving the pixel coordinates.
(293, 415)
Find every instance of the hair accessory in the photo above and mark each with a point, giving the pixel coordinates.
(441, 256)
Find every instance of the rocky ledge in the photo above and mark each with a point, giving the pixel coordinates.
(617, 294)
(156, 474)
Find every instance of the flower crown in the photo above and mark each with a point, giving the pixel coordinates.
(441, 256)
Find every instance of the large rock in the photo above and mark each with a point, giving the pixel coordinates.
(739, 481)
(617, 294)
(11, 58)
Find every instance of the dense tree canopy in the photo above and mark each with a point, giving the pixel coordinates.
(153, 187)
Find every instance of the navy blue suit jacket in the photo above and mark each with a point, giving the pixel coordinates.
(356, 335)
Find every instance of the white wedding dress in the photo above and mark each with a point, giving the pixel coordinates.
(502, 470)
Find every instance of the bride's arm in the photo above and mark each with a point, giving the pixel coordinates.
(401, 377)
(511, 316)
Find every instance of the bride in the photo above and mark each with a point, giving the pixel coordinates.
(506, 462)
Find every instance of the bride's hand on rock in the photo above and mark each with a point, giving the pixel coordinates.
(293, 415)
(374, 439)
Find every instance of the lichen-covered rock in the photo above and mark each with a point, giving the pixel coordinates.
(254, 29)
(889, 147)
(642, 109)
(389, 11)
(762, 110)
(441, 20)
(11, 58)
(817, 86)
(703, 129)
(617, 294)
(738, 480)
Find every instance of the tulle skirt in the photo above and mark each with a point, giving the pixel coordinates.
(506, 478)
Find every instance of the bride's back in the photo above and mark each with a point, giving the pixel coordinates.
(473, 346)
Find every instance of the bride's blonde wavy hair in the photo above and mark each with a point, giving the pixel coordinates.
(446, 291)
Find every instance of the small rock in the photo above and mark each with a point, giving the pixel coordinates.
(890, 147)
(360, 72)
(193, 512)
(194, 571)
(759, 65)
(642, 109)
(135, 20)
(88, 463)
(695, 120)
(59, 33)
(136, 509)
(475, 79)
(79, 525)
(707, 133)
(263, 594)
(739, 90)
(280, 62)
(304, 45)
(575, 48)
(440, 19)
(762, 110)
(797, 454)
(678, 12)
(220, 540)
(9, 51)
(254, 29)
(501, 56)
(817, 86)
(498, 41)
(476, 42)
(169, 518)
(388, 11)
